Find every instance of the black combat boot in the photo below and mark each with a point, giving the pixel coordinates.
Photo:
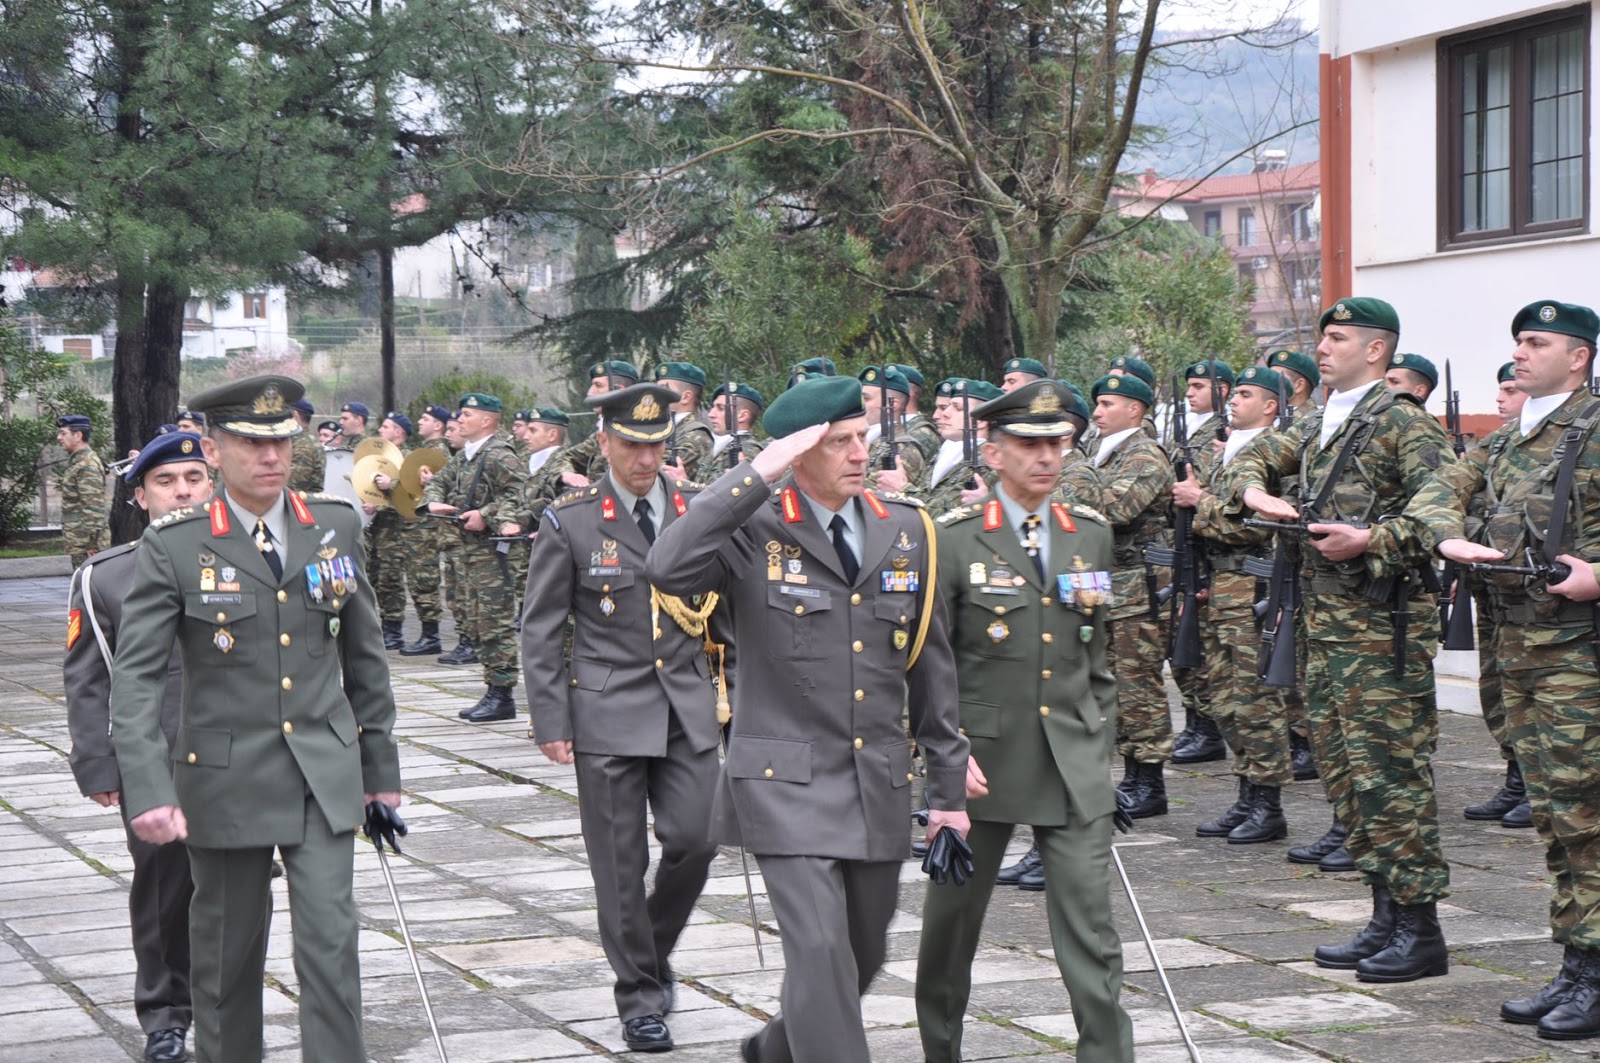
(1219, 827)
(497, 704)
(392, 638)
(1371, 941)
(1130, 774)
(1305, 765)
(1416, 949)
(1527, 1011)
(1521, 816)
(427, 642)
(1313, 853)
(1509, 796)
(1266, 822)
(462, 654)
(1207, 743)
(1338, 860)
(1150, 799)
(1577, 1016)
(1010, 876)
(1187, 735)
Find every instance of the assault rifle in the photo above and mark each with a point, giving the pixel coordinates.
(730, 419)
(1455, 611)
(1537, 570)
(1218, 408)
(886, 420)
(1186, 557)
(969, 441)
(1277, 612)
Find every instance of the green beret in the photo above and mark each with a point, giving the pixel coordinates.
(981, 390)
(815, 400)
(1262, 377)
(551, 415)
(811, 367)
(257, 406)
(1508, 372)
(947, 387)
(1208, 369)
(1136, 366)
(1568, 319)
(741, 391)
(641, 413)
(615, 367)
(1036, 409)
(1417, 364)
(912, 374)
(523, 416)
(1361, 310)
(687, 372)
(1025, 365)
(1129, 387)
(1075, 389)
(477, 400)
(1299, 362)
(888, 376)
(1079, 408)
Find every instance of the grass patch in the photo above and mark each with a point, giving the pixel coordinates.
(32, 550)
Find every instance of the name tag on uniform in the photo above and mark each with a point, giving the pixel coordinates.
(803, 592)
(221, 599)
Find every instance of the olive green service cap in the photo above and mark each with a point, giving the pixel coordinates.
(641, 413)
(815, 400)
(1362, 310)
(1129, 387)
(257, 406)
(1568, 319)
(1036, 409)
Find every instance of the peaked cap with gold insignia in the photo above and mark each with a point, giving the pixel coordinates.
(257, 406)
(641, 413)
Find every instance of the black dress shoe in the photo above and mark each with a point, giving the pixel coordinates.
(747, 1050)
(1338, 860)
(1527, 1011)
(1313, 853)
(497, 704)
(647, 1034)
(669, 996)
(1032, 880)
(1010, 876)
(1521, 816)
(166, 1046)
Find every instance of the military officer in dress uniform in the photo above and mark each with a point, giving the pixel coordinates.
(832, 592)
(1026, 582)
(169, 474)
(285, 734)
(635, 708)
(82, 483)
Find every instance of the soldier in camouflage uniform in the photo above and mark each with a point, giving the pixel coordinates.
(1136, 482)
(402, 554)
(450, 545)
(692, 441)
(308, 463)
(483, 485)
(1544, 631)
(429, 536)
(910, 470)
(747, 406)
(582, 463)
(547, 433)
(82, 484)
(1509, 805)
(1080, 480)
(1207, 386)
(1367, 604)
(918, 426)
(1248, 713)
(951, 475)
(353, 418)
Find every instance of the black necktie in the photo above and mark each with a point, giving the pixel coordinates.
(1030, 540)
(268, 551)
(847, 557)
(641, 513)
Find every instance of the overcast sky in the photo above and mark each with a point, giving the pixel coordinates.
(1210, 14)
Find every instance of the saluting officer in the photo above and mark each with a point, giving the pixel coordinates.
(832, 593)
(1026, 583)
(286, 728)
(635, 707)
(169, 474)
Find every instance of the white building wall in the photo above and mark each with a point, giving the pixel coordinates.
(1454, 304)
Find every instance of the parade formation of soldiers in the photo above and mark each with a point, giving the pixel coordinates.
(771, 623)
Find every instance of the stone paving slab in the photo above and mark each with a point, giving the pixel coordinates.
(500, 901)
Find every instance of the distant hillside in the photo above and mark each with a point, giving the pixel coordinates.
(1212, 100)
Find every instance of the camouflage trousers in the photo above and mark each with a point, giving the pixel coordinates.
(402, 555)
(1374, 737)
(450, 561)
(1490, 697)
(1139, 648)
(488, 602)
(1552, 703)
(1249, 714)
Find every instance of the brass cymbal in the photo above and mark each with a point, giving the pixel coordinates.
(366, 470)
(405, 503)
(382, 448)
(411, 468)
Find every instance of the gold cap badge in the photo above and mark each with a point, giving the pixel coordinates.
(269, 401)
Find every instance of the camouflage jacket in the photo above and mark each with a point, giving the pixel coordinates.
(921, 431)
(944, 496)
(1080, 481)
(912, 462)
(1218, 522)
(308, 464)
(583, 458)
(691, 443)
(492, 482)
(1136, 489)
(82, 483)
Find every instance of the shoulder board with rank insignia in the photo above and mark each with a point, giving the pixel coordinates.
(324, 496)
(569, 498)
(993, 517)
(901, 497)
(1080, 510)
(186, 513)
(960, 513)
(301, 513)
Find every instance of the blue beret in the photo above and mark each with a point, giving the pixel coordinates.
(400, 419)
(185, 414)
(75, 421)
(437, 412)
(165, 429)
(332, 426)
(164, 450)
(304, 406)
(357, 408)
(815, 400)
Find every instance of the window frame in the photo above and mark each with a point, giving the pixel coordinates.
(1518, 35)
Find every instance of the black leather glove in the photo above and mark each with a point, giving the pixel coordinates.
(949, 859)
(383, 823)
(1121, 820)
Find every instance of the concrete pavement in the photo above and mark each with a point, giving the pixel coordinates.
(499, 898)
